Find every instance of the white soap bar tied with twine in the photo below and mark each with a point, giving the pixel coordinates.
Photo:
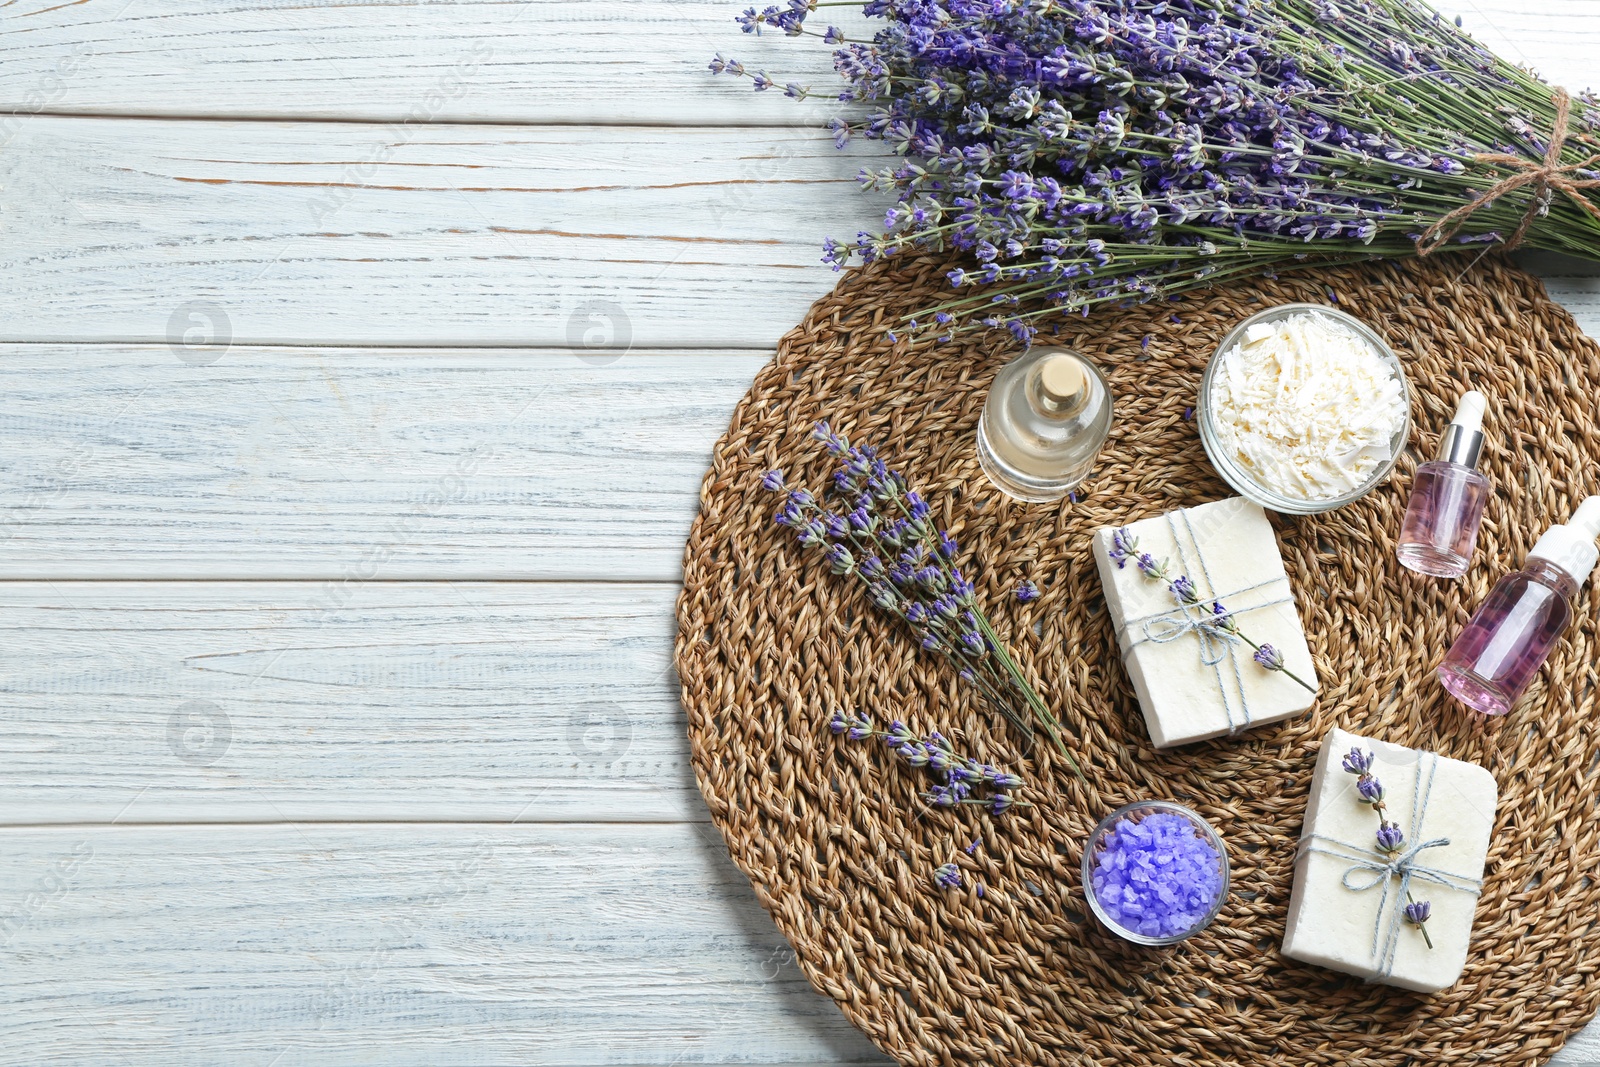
(1348, 908)
(1195, 665)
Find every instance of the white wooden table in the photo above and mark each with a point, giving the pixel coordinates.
(358, 366)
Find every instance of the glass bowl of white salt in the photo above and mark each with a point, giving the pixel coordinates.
(1304, 409)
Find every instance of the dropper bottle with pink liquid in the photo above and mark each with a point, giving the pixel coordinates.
(1514, 630)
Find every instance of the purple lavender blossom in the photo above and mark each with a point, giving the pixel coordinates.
(956, 778)
(1269, 657)
(1183, 590)
(1357, 761)
(1417, 912)
(772, 481)
(1027, 592)
(947, 876)
(1123, 546)
(1390, 838)
(1369, 789)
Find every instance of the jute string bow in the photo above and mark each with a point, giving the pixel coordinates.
(1548, 176)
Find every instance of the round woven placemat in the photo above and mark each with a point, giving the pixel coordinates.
(841, 851)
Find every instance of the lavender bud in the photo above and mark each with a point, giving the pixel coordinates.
(1358, 762)
(948, 876)
(1370, 788)
(1417, 912)
(772, 481)
(1390, 838)
(1272, 660)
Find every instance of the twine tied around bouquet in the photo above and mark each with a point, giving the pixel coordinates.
(1548, 175)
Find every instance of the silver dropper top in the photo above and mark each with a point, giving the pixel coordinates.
(1462, 440)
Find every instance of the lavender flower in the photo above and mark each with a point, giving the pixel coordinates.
(857, 726)
(957, 779)
(947, 876)
(1269, 657)
(1390, 838)
(1151, 567)
(1123, 545)
(1357, 761)
(1417, 912)
(881, 533)
(1027, 592)
(1101, 152)
(1370, 790)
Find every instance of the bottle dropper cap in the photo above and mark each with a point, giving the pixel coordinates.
(1571, 546)
(1462, 440)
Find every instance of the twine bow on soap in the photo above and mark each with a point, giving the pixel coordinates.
(1370, 870)
(1549, 176)
(1200, 619)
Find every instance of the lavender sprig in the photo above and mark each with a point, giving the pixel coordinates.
(1389, 839)
(880, 531)
(958, 779)
(1222, 624)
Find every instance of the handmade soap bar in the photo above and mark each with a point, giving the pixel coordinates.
(1194, 677)
(1348, 907)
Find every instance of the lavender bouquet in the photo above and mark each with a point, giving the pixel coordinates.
(1112, 151)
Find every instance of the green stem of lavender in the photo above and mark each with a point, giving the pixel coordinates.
(1035, 702)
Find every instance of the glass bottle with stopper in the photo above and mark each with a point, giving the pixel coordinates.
(1046, 418)
(1447, 498)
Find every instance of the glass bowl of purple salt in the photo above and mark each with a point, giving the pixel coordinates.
(1155, 872)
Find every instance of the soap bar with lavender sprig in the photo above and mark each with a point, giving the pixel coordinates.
(1390, 864)
(1206, 621)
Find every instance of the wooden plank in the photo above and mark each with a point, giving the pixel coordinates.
(278, 946)
(198, 233)
(156, 702)
(1581, 1050)
(411, 464)
(330, 463)
(350, 233)
(560, 61)
(489, 61)
(337, 945)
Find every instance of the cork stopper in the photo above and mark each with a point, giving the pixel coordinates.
(1063, 383)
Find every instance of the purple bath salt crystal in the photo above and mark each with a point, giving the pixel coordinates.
(1157, 876)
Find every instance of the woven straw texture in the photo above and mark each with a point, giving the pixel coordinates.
(839, 847)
